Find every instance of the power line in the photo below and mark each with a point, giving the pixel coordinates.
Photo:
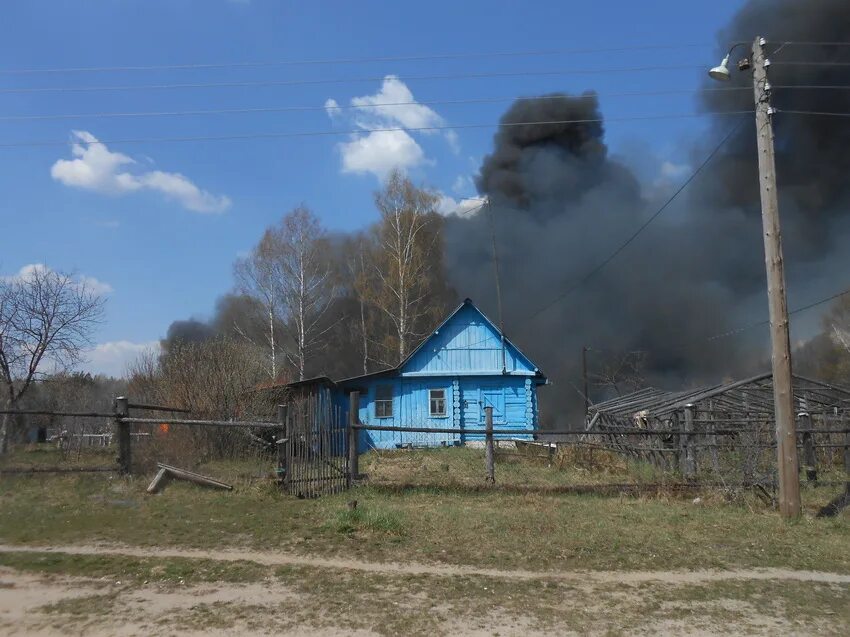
(315, 81)
(804, 63)
(803, 308)
(362, 60)
(815, 113)
(474, 100)
(447, 102)
(637, 232)
(475, 209)
(360, 131)
(744, 328)
(798, 43)
(366, 60)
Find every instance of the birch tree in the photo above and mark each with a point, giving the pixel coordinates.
(46, 320)
(306, 285)
(257, 276)
(406, 242)
(361, 285)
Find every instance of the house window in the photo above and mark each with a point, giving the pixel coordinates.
(437, 402)
(384, 401)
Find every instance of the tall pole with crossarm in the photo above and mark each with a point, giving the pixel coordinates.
(783, 397)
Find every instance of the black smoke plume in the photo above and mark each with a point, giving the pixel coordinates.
(560, 204)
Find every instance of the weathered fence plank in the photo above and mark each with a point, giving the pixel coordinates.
(489, 452)
(353, 434)
(122, 433)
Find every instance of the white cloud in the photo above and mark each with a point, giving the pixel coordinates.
(113, 357)
(448, 205)
(92, 284)
(98, 169)
(409, 113)
(379, 152)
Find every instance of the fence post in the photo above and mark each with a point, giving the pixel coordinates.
(688, 466)
(489, 451)
(122, 433)
(280, 443)
(353, 435)
(847, 457)
(810, 460)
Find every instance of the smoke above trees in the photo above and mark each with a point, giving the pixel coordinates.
(560, 204)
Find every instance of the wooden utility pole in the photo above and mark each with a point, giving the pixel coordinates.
(783, 398)
(353, 435)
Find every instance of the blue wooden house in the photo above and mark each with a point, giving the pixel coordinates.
(465, 365)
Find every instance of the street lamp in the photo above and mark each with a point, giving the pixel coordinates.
(721, 71)
(783, 397)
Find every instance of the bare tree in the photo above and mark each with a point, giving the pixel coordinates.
(257, 276)
(214, 378)
(46, 319)
(622, 371)
(361, 281)
(406, 237)
(290, 274)
(306, 285)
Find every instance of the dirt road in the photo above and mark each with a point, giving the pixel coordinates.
(387, 598)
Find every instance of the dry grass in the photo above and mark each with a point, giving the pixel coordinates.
(464, 467)
(445, 524)
(44, 456)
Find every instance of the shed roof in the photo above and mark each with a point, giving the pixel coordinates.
(754, 394)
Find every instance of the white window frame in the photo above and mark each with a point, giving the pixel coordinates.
(384, 402)
(432, 399)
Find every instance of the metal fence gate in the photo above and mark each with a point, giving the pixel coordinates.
(316, 462)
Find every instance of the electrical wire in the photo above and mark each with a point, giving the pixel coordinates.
(798, 310)
(448, 102)
(637, 232)
(477, 100)
(360, 131)
(797, 43)
(814, 113)
(366, 60)
(804, 63)
(362, 60)
(744, 328)
(318, 81)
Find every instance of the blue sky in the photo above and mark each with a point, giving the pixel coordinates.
(159, 224)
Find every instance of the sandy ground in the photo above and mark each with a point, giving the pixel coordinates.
(412, 568)
(157, 610)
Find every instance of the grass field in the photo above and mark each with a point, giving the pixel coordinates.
(446, 525)
(434, 524)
